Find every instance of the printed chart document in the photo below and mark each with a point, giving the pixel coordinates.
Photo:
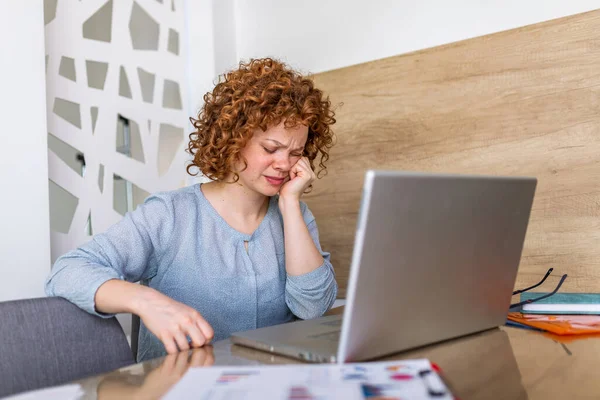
(406, 379)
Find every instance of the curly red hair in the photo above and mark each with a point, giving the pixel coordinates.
(259, 94)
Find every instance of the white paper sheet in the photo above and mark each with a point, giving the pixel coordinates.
(65, 392)
(406, 379)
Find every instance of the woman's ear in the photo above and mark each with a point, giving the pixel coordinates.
(240, 163)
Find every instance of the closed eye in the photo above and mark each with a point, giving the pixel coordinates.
(269, 150)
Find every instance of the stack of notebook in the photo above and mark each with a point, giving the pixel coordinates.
(562, 303)
(561, 313)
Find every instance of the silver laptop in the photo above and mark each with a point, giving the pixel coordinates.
(435, 257)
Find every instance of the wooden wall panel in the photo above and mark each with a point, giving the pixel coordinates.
(519, 102)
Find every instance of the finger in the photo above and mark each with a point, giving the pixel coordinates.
(206, 329)
(181, 364)
(169, 344)
(305, 166)
(181, 341)
(305, 162)
(198, 357)
(203, 357)
(294, 172)
(308, 168)
(169, 362)
(300, 164)
(210, 356)
(301, 168)
(193, 331)
(311, 172)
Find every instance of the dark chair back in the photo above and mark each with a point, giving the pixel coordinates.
(135, 333)
(49, 341)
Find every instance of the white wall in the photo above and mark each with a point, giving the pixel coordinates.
(24, 222)
(210, 45)
(209, 42)
(320, 35)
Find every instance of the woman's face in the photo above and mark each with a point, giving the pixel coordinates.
(270, 155)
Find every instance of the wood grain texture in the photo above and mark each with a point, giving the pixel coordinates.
(519, 102)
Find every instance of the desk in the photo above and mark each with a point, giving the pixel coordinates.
(502, 363)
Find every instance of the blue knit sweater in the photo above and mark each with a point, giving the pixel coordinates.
(178, 244)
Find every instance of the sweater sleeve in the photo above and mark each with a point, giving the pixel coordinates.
(129, 250)
(310, 295)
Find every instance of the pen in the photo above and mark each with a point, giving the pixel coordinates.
(433, 383)
(522, 326)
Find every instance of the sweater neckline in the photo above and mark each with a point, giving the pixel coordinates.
(221, 221)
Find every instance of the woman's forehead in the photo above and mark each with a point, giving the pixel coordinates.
(282, 134)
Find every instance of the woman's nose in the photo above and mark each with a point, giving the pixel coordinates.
(282, 163)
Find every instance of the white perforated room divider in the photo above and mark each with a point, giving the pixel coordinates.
(117, 129)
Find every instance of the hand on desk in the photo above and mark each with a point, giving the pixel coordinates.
(173, 322)
(158, 381)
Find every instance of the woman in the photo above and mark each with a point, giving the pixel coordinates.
(237, 253)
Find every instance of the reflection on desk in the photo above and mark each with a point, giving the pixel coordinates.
(157, 378)
(480, 366)
(502, 363)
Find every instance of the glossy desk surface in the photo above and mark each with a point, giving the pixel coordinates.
(502, 363)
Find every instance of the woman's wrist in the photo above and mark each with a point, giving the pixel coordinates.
(140, 298)
(287, 204)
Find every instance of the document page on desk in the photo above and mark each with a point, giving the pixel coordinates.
(64, 392)
(407, 379)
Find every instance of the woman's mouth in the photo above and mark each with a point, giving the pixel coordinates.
(274, 181)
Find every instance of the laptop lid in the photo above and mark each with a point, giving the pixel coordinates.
(435, 257)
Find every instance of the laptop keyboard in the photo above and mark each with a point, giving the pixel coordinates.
(337, 322)
(329, 336)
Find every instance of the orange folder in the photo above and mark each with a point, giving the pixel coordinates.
(559, 324)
